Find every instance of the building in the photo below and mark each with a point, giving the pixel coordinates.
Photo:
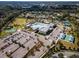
(18, 44)
(62, 36)
(23, 43)
(42, 27)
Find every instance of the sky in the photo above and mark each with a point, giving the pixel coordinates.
(39, 0)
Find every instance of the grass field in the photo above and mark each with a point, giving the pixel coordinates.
(19, 21)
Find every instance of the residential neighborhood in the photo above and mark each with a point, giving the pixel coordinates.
(39, 30)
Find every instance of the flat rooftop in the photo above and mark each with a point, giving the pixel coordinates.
(42, 27)
(17, 44)
(27, 44)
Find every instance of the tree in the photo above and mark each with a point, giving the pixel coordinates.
(48, 46)
(78, 43)
(70, 48)
(78, 49)
(62, 47)
(61, 55)
(74, 56)
(37, 48)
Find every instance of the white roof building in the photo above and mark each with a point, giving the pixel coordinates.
(43, 28)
